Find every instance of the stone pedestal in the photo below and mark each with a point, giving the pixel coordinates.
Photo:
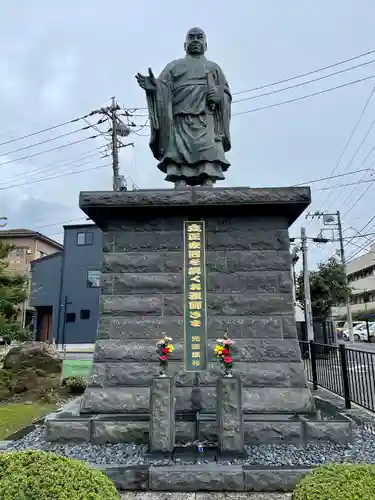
(249, 295)
(162, 415)
(230, 426)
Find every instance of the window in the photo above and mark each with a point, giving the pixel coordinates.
(85, 238)
(93, 279)
(85, 313)
(70, 317)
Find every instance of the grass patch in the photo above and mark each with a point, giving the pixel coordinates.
(77, 368)
(15, 416)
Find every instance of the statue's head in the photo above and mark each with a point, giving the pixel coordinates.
(195, 42)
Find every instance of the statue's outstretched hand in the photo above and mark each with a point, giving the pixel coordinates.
(147, 83)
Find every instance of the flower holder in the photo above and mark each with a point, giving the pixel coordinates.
(223, 350)
(164, 349)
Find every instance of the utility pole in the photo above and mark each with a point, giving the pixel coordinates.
(335, 220)
(306, 285)
(343, 261)
(118, 128)
(114, 146)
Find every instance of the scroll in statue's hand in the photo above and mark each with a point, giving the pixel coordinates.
(213, 96)
(147, 83)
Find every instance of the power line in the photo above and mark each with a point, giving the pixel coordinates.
(52, 166)
(45, 141)
(303, 97)
(60, 222)
(360, 249)
(48, 128)
(303, 83)
(362, 195)
(332, 177)
(361, 230)
(367, 102)
(54, 177)
(49, 150)
(345, 185)
(353, 158)
(305, 74)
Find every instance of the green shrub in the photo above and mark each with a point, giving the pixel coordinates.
(338, 482)
(74, 385)
(40, 475)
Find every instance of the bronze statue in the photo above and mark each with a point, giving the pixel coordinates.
(190, 108)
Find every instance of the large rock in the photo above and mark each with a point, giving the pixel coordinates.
(33, 355)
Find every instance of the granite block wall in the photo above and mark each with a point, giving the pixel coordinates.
(249, 295)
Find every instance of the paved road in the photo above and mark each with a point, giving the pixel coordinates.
(361, 346)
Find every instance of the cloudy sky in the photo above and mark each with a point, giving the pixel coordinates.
(59, 61)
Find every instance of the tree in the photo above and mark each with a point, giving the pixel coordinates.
(13, 291)
(328, 288)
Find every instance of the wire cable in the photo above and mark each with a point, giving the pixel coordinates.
(345, 185)
(331, 177)
(44, 142)
(361, 230)
(52, 166)
(367, 102)
(55, 177)
(305, 74)
(303, 83)
(303, 97)
(49, 150)
(74, 120)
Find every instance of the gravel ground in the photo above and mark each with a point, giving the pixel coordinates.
(361, 449)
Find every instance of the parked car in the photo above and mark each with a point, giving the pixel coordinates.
(360, 332)
(343, 332)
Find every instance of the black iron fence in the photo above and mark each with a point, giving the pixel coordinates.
(350, 373)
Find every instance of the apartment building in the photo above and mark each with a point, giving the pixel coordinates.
(361, 278)
(27, 245)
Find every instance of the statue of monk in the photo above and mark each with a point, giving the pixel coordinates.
(189, 107)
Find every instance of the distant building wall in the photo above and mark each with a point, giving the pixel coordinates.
(45, 285)
(361, 278)
(80, 285)
(70, 283)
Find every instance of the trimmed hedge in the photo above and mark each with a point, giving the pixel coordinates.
(40, 475)
(338, 482)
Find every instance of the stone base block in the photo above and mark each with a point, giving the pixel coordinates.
(113, 431)
(64, 430)
(205, 477)
(328, 431)
(230, 415)
(128, 477)
(272, 479)
(273, 432)
(162, 415)
(116, 400)
(197, 478)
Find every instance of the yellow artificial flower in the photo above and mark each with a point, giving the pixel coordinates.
(218, 348)
(171, 348)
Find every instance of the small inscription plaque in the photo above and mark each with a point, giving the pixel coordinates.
(195, 311)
